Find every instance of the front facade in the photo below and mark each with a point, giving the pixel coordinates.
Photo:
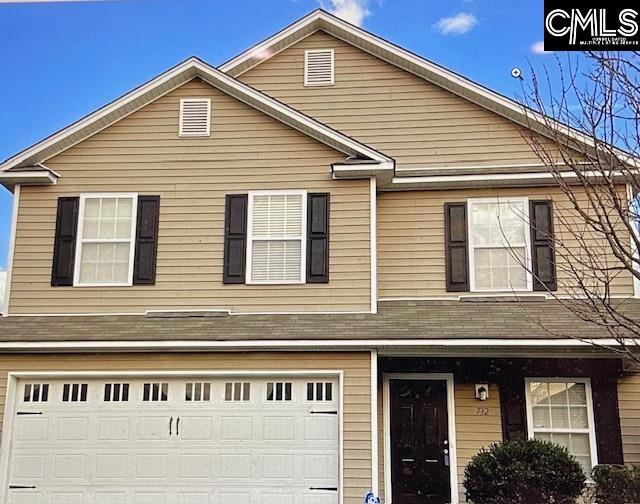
(285, 280)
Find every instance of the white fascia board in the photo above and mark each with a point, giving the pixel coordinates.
(28, 178)
(189, 69)
(190, 345)
(489, 179)
(260, 48)
(383, 171)
(99, 114)
(436, 74)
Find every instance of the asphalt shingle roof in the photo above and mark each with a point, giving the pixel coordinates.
(507, 319)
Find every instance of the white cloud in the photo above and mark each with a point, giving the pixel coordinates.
(459, 24)
(352, 11)
(538, 48)
(3, 280)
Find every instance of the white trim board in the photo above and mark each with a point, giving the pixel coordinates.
(593, 447)
(80, 241)
(375, 460)
(170, 80)
(14, 377)
(451, 414)
(302, 239)
(192, 345)
(402, 58)
(11, 251)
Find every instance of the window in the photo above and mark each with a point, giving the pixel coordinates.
(320, 391)
(195, 117)
(74, 392)
(237, 391)
(319, 67)
(199, 391)
(277, 227)
(106, 235)
(36, 392)
(153, 392)
(499, 236)
(279, 391)
(117, 392)
(561, 411)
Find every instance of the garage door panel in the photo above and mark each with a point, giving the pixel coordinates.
(238, 441)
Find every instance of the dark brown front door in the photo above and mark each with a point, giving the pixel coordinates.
(419, 442)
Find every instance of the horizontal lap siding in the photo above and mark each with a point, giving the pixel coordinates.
(473, 431)
(629, 404)
(142, 153)
(357, 395)
(415, 122)
(411, 249)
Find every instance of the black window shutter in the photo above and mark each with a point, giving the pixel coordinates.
(235, 239)
(513, 410)
(607, 419)
(64, 248)
(456, 254)
(144, 266)
(543, 261)
(318, 238)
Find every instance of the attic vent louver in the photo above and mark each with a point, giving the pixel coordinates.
(195, 114)
(318, 67)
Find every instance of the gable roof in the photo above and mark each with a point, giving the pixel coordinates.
(28, 162)
(451, 81)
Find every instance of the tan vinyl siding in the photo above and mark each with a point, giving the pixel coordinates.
(411, 253)
(474, 431)
(629, 404)
(142, 153)
(357, 395)
(416, 122)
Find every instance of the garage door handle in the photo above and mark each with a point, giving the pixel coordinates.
(29, 413)
(178, 426)
(328, 489)
(170, 424)
(21, 487)
(324, 412)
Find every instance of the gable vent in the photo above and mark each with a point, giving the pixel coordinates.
(318, 67)
(195, 115)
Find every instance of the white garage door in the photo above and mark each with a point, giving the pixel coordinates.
(166, 441)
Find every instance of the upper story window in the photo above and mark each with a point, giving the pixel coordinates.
(499, 250)
(276, 237)
(195, 117)
(499, 245)
(561, 411)
(319, 67)
(106, 236)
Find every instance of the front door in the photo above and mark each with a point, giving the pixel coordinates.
(419, 442)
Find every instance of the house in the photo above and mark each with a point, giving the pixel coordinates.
(282, 281)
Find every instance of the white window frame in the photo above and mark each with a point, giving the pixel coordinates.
(251, 239)
(591, 430)
(80, 242)
(181, 133)
(306, 68)
(527, 236)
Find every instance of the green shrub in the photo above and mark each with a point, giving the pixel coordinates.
(524, 472)
(617, 484)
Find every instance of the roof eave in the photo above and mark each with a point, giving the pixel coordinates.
(165, 83)
(37, 177)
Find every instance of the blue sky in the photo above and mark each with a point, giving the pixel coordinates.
(61, 60)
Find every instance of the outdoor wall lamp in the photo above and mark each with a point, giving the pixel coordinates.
(482, 391)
